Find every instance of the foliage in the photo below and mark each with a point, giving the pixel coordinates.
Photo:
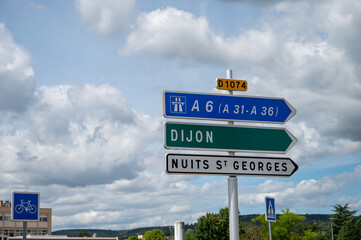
(314, 226)
(84, 233)
(309, 235)
(214, 226)
(155, 234)
(314, 232)
(207, 228)
(190, 235)
(341, 216)
(133, 238)
(351, 230)
(289, 226)
(252, 232)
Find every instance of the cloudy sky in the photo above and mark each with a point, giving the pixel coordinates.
(81, 87)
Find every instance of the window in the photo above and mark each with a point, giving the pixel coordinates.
(43, 232)
(9, 232)
(43, 219)
(19, 232)
(32, 232)
(7, 218)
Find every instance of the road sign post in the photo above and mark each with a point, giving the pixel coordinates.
(232, 191)
(227, 138)
(25, 207)
(270, 213)
(222, 107)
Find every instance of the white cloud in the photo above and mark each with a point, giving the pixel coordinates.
(341, 20)
(17, 83)
(272, 186)
(303, 51)
(354, 203)
(313, 145)
(107, 17)
(311, 193)
(148, 200)
(178, 35)
(88, 132)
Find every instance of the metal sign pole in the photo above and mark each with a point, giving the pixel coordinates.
(232, 192)
(24, 230)
(270, 230)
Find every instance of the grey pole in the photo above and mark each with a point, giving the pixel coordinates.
(233, 208)
(331, 229)
(232, 192)
(179, 230)
(270, 230)
(24, 230)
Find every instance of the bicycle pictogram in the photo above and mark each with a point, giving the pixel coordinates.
(27, 206)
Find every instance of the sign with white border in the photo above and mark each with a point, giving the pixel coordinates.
(229, 165)
(270, 209)
(25, 206)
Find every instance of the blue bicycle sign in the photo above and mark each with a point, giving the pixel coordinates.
(25, 206)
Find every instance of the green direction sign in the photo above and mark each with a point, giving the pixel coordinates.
(227, 138)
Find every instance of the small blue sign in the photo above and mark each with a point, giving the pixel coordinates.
(25, 206)
(270, 209)
(226, 107)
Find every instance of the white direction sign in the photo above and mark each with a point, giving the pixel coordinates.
(229, 165)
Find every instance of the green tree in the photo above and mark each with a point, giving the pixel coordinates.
(252, 232)
(309, 235)
(341, 216)
(155, 234)
(190, 235)
(207, 227)
(351, 230)
(133, 238)
(84, 233)
(214, 226)
(289, 226)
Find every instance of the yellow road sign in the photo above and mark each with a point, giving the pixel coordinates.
(232, 84)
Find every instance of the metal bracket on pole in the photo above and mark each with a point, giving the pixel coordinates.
(232, 192)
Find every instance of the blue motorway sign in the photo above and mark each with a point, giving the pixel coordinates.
(226, 107)
(270, 209)
(25, 206)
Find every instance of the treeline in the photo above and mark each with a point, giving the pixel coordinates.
(322, 220)
(342, 225)
(215, 226)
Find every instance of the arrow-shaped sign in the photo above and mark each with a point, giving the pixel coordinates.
(229, 165)
(227, 138)
(226, 107)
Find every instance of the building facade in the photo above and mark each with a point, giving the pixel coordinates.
(12, 229)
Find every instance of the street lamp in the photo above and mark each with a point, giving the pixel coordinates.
(331, 229)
